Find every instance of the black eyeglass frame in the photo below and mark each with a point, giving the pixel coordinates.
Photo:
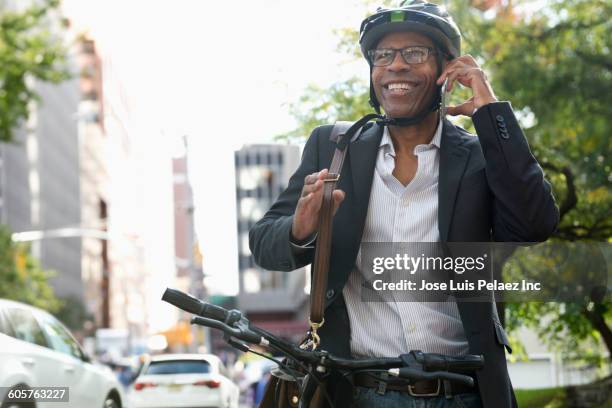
(430, 51)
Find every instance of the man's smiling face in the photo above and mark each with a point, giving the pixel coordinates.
(405, 90)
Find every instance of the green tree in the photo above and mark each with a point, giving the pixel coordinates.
(28, 49)
(554, 65)
(21, 277)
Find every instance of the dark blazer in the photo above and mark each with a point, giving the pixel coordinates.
(490, 188)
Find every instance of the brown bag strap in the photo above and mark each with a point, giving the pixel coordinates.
(324, 235)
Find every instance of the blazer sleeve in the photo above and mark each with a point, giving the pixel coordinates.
(269, 238)
(524, 209)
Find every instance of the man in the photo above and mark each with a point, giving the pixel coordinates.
(414, 177)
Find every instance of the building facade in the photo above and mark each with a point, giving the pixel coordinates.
(41, 184)
(275, 300)
(94, 184)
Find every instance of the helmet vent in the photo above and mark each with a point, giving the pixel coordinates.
(397, 16)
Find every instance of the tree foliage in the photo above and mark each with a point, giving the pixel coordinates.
(554, 64)
(22, 279)
(317, 106)
(28, 49)
(555, 67)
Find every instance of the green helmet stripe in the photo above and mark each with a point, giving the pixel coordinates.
(397, 16)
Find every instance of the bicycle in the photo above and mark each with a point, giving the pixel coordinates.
(413, 366)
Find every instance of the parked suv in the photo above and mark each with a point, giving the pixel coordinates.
(36, 350)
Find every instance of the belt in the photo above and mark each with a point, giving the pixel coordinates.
(422, 388)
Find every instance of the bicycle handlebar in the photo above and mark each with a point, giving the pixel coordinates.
(414, 365)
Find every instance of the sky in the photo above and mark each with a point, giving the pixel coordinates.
(222, 74)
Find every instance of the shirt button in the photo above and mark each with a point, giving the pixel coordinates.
(330, 294)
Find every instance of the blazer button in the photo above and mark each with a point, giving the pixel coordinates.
(504, 134)
(330, 294)
(500, 118)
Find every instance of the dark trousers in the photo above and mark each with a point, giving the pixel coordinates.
(368, 397)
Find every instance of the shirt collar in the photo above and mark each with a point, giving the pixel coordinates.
(387, 143)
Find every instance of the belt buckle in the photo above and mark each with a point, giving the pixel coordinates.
(431, 394)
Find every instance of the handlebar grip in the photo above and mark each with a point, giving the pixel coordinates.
(182, 300)
(213, 312)
(192, 305)
(433, 361)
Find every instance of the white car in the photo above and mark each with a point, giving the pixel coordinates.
(184, 380)
(36, 350)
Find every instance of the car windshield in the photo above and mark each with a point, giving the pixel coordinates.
(178, 367)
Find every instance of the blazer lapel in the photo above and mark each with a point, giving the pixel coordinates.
(362, 158)
(453, 159)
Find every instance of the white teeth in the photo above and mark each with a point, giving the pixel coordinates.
(400, 85)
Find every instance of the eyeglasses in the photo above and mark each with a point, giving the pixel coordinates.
(418, 54)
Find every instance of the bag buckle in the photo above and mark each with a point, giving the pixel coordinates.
(316, 340)
(430, 394)
(332, 177)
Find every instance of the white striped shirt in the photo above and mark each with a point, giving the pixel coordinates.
(398, 213)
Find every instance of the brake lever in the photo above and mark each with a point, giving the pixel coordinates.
(462, 378)
(241, 332)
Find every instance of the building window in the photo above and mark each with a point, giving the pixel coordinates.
(251, 280)
(253, 209)
(244, 244)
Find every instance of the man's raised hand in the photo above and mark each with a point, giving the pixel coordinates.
(306, 217)
(467, 72)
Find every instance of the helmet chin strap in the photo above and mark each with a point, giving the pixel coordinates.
(436, 104)
(413, 120)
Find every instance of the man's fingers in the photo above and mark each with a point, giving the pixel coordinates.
(338, 196)
(459, 75)
(450, 77)
(461, 62)
(312, 178)
(443, 76)
(309, 204)
(312, 188)
(450, 67)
